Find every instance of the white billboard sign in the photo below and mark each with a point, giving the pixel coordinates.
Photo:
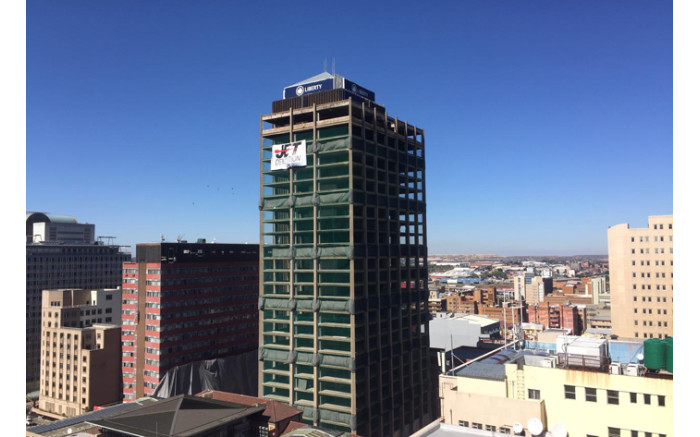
(288, 155)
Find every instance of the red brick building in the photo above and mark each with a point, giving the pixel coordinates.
(558, 316)
(184, 302)
(460, 303)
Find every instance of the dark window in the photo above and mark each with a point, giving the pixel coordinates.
(647, 434)
(613, 397)
(591, 395)
(613, 432)
(647, 399)
(662, 401)
(633, 398)
(569, 392)
(533, 394)
(463, 423)
(635, 433)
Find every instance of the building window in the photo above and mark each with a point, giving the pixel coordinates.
(591, 395)
(476, 425)
(533, 394)
(490, 428)
(504, 430)
(613, 432)
(634, 433)
(647, 399)
(464, 423)
(662, 401)
(569, 392)
(613, 397)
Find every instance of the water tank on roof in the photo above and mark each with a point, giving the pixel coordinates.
(669, 354)
(654, 354)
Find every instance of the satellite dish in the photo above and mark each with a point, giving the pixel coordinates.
(517, 428)
(559, 430)
(70, 430)
(640, 357)
(535, 427)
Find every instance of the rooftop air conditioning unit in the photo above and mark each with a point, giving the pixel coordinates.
(549, 362)
(615, 369)
(633, 370)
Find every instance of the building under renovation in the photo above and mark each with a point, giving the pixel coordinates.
(344, 298)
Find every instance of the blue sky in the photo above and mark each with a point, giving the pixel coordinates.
(546, 122)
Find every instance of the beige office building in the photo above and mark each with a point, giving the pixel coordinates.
(641, 279)
(532, 288)
(80, 359)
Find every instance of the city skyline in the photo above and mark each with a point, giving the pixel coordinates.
(546, 123)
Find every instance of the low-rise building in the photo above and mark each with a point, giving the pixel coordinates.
(586, 386)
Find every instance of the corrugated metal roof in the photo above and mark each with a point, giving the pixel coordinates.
(93, 415)
(496, 372)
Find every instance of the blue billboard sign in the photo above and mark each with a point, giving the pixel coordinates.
(308, 88)
(357, 89)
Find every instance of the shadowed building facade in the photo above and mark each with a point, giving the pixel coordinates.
(344, 299)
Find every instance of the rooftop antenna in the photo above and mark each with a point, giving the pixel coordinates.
(333, 66)
(325, 65)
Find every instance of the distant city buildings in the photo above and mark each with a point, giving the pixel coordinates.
(531, 288)
(184, 302)
(641, 279)
(80, 350)
(62, 254)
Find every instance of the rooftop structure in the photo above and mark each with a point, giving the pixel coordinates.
(279, 416)
(184, 416)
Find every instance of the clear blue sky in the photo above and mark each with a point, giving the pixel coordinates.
(546, 122)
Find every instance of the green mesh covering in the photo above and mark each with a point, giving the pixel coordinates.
(279, 252)
(305, 357)
(276, 203)
(336, 305)
(275, 355)
(304, 200)
(332, 198)
(337, 251)
(276, 304)
(331, 360)
(336, 144)
(305, 304)
(305, 252)
(334, 416)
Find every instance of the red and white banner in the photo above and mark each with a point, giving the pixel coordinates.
(288, 155)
